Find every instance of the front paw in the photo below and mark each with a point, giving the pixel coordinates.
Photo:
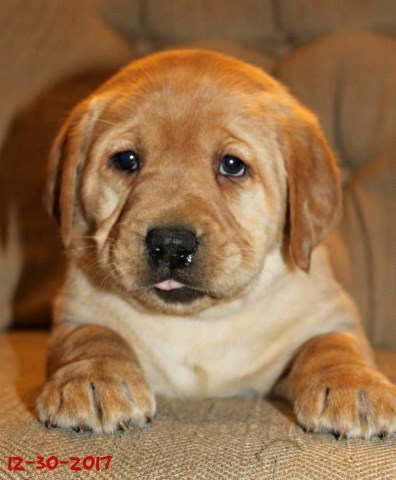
(99, 395)
(348, 401)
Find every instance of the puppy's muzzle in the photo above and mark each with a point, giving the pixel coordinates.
(171, 249)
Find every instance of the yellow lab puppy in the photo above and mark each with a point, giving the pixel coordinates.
(191, 190)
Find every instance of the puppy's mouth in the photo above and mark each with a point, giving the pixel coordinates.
(173, 291)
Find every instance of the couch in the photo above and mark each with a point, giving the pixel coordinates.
(339, 58)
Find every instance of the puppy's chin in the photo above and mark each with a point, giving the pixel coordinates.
(181, 301)
(184, 295)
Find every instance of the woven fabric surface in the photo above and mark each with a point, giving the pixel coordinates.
(243, 438)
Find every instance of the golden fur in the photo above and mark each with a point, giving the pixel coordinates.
(270, 316)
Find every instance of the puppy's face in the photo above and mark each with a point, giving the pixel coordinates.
(177, 178)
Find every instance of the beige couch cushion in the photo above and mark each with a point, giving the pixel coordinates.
(249, 21)
(349, 80)
(43, 41)
(364, 249)
(304, 20)
(238, 438)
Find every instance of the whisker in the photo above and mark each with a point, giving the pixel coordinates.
(107, 122)
(83, 247)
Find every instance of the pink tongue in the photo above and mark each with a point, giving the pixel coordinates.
(169, 285)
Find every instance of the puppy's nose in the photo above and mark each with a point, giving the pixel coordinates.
(171, 247)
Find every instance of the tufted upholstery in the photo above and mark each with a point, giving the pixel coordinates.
(339, 58)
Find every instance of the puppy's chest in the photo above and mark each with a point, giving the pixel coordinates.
(208, 360)
(191, 368)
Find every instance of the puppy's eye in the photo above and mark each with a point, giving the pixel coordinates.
(127, 161)
(231, 166)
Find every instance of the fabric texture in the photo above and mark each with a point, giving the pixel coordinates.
(237, 438)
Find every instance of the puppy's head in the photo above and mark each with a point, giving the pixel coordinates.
(176, 179)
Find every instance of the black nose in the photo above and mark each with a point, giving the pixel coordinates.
(171, 247)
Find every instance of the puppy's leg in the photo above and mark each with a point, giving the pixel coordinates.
(94, 382)
(334, 388)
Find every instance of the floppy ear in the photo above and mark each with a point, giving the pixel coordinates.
(314, 187)
(64, 167)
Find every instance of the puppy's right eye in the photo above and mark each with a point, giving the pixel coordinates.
(127, 161)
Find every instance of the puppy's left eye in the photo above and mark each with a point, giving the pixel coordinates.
(127, 161)
(231, 166)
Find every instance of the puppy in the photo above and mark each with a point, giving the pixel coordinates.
(191, 191)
